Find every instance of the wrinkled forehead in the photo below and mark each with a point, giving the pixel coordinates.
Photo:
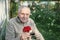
(24, 9)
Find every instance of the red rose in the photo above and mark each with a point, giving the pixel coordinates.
(26, 29)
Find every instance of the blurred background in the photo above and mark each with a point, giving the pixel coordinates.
(45, 13)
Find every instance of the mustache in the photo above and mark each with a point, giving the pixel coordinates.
(24, 18)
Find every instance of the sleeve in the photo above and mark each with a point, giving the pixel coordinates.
(38, 35)
(10, 35)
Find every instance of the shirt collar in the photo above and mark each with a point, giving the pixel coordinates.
(18, 19)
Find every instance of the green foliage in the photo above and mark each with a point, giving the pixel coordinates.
(47, 21)
(13, 9)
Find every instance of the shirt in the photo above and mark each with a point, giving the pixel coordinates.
(15, 26)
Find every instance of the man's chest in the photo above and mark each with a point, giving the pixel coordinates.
(19, 28)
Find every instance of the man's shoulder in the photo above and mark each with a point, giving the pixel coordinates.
(31, 20)
(12, 19)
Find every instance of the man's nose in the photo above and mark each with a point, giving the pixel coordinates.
(24, 15)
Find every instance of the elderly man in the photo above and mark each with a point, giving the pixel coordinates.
(15, 26)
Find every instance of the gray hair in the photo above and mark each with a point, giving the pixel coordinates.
(21, 7)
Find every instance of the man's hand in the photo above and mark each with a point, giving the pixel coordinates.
(25, 36)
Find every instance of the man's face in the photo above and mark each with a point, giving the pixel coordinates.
(24, 14)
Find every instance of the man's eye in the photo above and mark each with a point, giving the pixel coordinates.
(22, 13)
